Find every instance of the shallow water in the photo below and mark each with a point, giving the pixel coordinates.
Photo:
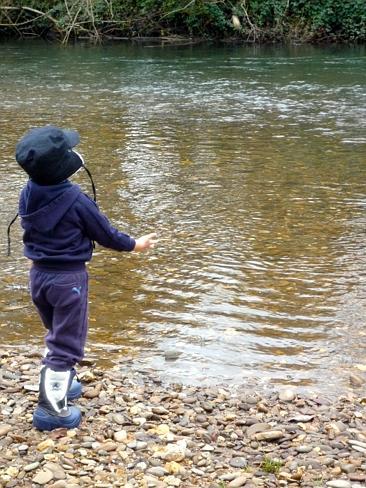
(250, 165)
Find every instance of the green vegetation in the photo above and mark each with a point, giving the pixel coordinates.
(249, 20)
(270, 465)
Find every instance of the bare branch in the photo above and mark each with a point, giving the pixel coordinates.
(178, 9)
(90, 7)
(70, 28)
(35, 11)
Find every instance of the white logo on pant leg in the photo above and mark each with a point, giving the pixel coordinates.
(77, 289)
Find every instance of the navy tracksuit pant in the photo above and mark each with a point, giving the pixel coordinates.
(61, 299)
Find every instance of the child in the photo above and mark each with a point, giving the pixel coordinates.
(60, 226)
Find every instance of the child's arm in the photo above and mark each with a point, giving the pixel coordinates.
(98, 228)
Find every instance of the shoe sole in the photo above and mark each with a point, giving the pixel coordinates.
(42, 420)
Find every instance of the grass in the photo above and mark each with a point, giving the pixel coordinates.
(271, 465)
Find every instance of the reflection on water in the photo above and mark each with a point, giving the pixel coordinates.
(248, 162)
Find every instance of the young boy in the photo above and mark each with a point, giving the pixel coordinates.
(60, 225)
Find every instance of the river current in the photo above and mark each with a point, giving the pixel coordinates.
(249, 163)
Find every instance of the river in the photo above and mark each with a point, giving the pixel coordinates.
(249, 162)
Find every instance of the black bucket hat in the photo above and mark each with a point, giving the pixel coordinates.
(45, 153)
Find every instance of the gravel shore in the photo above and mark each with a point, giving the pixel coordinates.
(138, 432)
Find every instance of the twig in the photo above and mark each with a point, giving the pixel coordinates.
(70, 28)
(35, 11)
(110, 6)
(96, 33)
(44, 14)
(253, 27)
(178, 9)
(18, 24)
(12, 24)
(67, 9)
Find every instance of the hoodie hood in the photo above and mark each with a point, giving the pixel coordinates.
(42, 207)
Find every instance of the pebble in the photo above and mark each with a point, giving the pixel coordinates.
(238, 462)
(228, 476)
(31, 466)
(270, 435)
(257, 427)
(339, 484)
(356, 380)
(120, 436)
(56, 469)
(172, 481)
(5, 429)
(238, 482)
(157, 471)
(59, 484)
(44, 445)
(348, 468)
(304, 449)
(171, 355)
(287, 395)
(43, 477)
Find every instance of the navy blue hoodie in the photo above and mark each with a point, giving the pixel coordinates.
(60, 223)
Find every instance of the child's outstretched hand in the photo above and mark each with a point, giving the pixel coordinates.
(145, 242)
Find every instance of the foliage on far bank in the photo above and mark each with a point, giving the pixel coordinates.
(249, 20)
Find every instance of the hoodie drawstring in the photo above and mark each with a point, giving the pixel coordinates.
(94, 191)
(92, 183)
(9, 227)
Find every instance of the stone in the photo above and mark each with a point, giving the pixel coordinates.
(172, 481)
(47, 444)
(207, 448)
(339, 484)
(287, 395)
(160, 411)
(304, 449)
(356, 380)
(157, 471)
(109, 446)
(173, 452)
(347, 468)
(120, 436)
(141, 466)
(12, 471)
(43, 477)
(361, 478)
(238, 462)
(5, 429)
(119, 419)
(57, 470)
(171, 355)
(228, 476)
(238, 482)
(258, 427)
(23, 448)
(175, 468)
(269, 435)
(208, 406)
(31, 466)
(59, 484)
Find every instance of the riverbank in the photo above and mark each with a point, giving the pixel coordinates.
(253, 20)
(137, 432)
